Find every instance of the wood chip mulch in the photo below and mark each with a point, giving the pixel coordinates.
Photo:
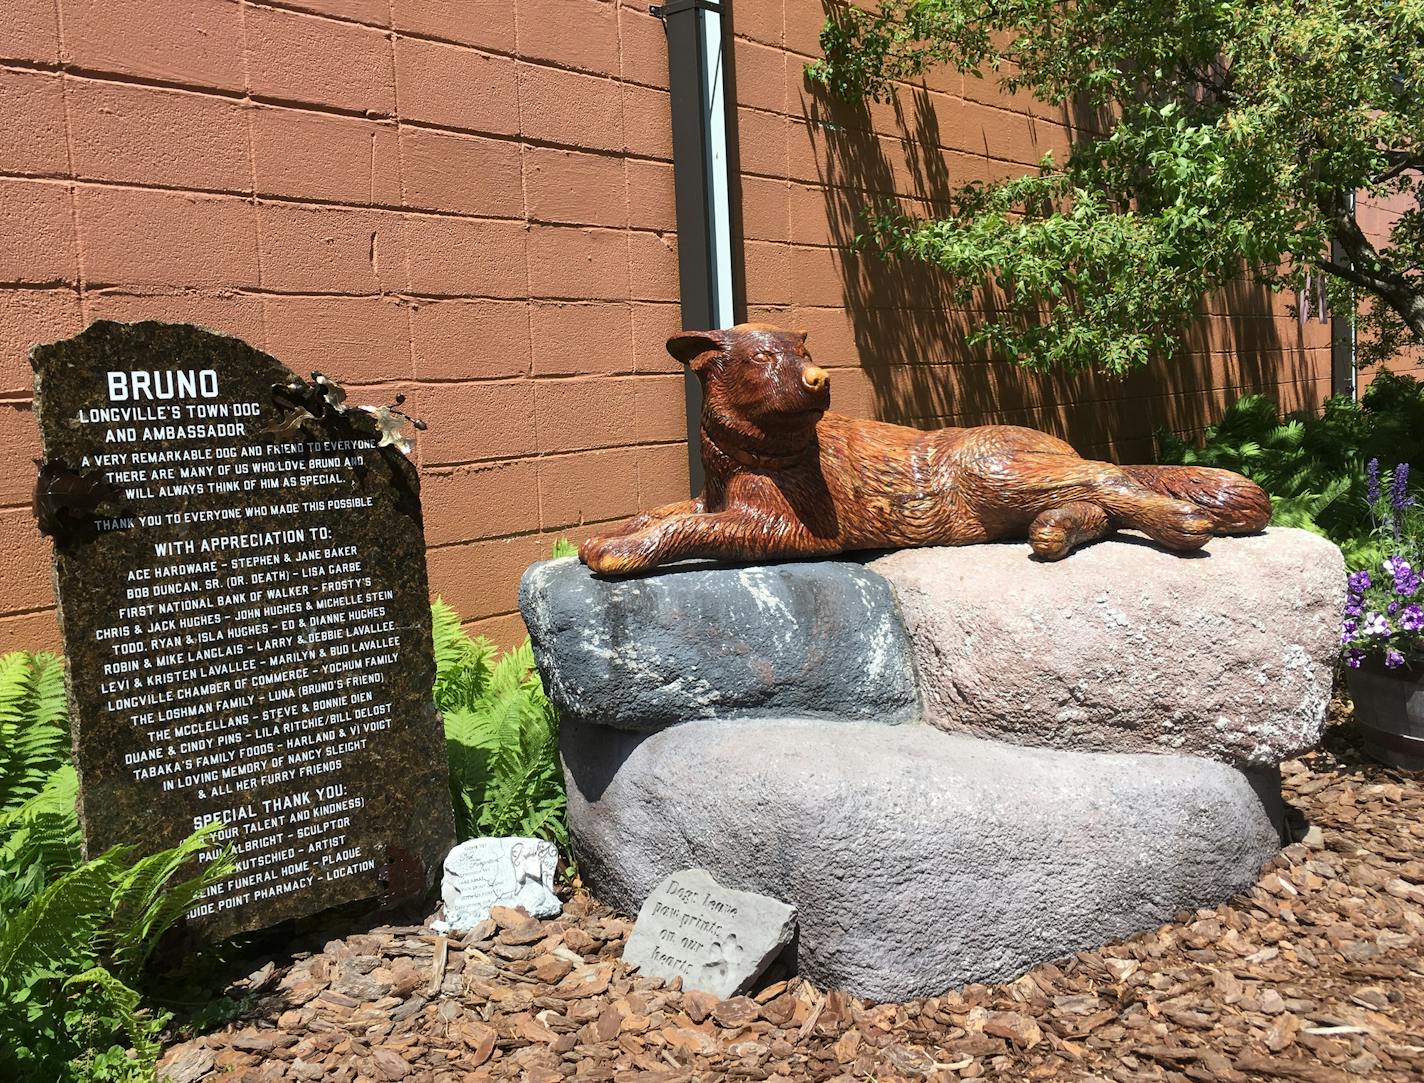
(1316, 975)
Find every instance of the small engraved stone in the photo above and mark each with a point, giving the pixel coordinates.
(714, 938)
(484, 873)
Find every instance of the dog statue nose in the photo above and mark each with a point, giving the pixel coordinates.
(815, 377)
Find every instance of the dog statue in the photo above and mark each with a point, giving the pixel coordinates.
(786, 478)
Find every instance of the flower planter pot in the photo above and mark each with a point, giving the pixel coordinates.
(1389, 706)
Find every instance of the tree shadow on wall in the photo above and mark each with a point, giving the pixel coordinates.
(910, 336)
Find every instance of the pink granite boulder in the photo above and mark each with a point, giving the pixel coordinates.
(1124, 647)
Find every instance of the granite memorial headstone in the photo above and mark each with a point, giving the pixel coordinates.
(714, 938)
(240, 569)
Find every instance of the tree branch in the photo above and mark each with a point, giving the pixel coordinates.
(1403, 165)
(1369, 271)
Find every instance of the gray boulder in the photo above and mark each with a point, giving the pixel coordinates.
(821, 639)
(1124, 647)
(917, 860)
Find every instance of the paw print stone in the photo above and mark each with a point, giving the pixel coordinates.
(714, 938)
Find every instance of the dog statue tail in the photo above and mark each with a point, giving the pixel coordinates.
(1236, 505)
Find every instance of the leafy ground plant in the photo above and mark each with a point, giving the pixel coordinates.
(75, 935)
(1315, 466)
(502, 735)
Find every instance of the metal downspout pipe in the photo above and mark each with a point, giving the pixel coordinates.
(697, 86)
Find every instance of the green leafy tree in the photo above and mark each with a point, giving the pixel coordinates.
(1232, 133)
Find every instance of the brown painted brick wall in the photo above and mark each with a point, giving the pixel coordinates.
(471, 201)
(466, 200)
(1377, 219)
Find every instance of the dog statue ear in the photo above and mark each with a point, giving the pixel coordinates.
(689, 346)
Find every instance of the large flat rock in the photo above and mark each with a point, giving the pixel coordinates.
(917, 860)
(1124, 647)
(820, 639)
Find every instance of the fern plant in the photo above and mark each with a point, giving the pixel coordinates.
(34, 741)
(75, 935)
(501, 734)
(69, 961)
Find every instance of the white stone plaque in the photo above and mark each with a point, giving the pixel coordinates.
(513, 872)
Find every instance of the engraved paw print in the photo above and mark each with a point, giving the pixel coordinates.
(725, 953)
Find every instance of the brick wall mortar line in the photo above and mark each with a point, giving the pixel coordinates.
(458, 464)
(249, 115)
(627, 240)
(523, 58)
(524, 145)
(534, 532)
(950, 100)
(19, 63)
(255, 100)
(12, 614)
(275, 198)
(293, 9)
(1158, 400)
(72, 188)
(450, 469)
(408, 308)
(103, 75)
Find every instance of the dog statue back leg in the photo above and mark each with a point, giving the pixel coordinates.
(1056, 532)
(1236, 505)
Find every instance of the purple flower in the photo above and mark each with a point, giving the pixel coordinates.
(1393, 659)
(1354, 658)
(1398, 494)
(1354, 609)
(1360, 581)
(1372, 487)
(1412, 619)
(1406, 579)
(1392, 608)
(1376, 625)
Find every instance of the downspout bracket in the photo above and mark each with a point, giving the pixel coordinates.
(677, 7)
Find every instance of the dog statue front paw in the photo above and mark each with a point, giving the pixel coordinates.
(615, 555)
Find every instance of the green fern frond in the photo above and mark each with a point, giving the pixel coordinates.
(460, 660)
(34, 736)
(61, 924)
(501, 735)
(39, 840)
(123, 1004)
(148, 898)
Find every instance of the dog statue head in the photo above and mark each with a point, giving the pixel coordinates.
(756, 373)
